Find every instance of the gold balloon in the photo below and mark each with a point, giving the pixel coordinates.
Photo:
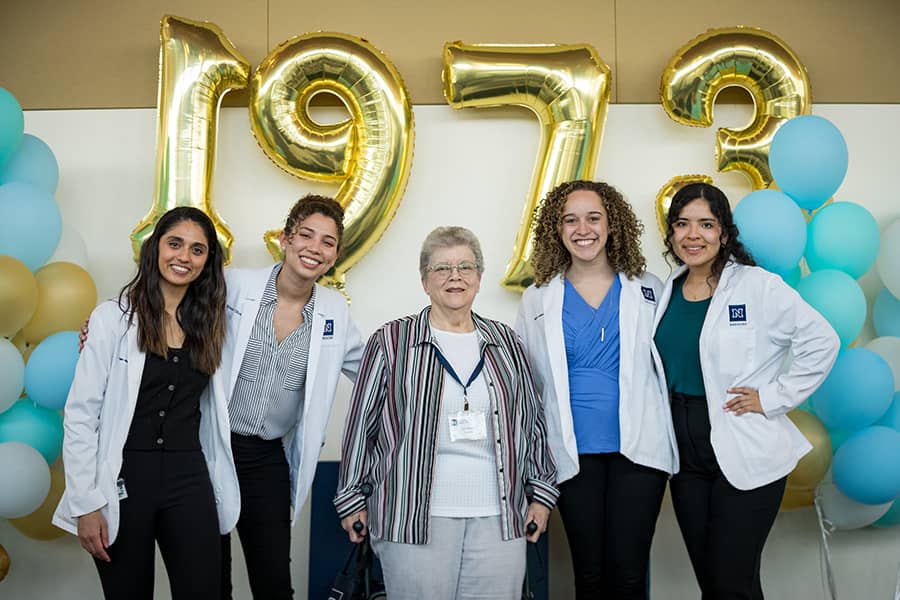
(566, 86)
(812, 467)
(4, 563)
(197, 66)
(38, 524)
(749, 58)
(795, 498)
(66, 297)
(370, 154)
(18, 295)
(667, 192)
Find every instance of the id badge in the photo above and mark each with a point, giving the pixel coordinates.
(120, 488)
(467, 425)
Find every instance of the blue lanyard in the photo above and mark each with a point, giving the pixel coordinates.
(465, 386)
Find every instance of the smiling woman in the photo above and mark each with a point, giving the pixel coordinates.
(471, 468)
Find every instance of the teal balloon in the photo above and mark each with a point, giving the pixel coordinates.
(39, 427)
(867, 467)
(842, 236)
(12, 125)
(808, 157)
(838, 437)
(886, 314)
(891, 517)
(51, 368)
(32, 163)
(792, 277)
(30, 223)
(857, 392)
(839, 299)
(891, 417)
(773, 229)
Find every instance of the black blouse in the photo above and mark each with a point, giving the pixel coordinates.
(167, 415)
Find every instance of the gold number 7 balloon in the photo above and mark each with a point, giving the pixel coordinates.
(197, 66)
(370, 154)
(565, 86)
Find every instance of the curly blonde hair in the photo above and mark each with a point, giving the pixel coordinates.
(623, 246)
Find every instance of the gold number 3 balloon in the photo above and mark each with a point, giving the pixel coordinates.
(370, 154)
(749, 58)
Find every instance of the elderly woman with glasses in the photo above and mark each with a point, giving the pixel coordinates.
(446, 432)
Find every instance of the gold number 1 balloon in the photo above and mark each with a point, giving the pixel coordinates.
(370, 154)
(198, 65)
(567, 87)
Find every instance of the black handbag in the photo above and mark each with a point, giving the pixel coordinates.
(347, 583)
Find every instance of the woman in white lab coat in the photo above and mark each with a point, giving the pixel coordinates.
(586, 324)
(146, 448)
(724, 329)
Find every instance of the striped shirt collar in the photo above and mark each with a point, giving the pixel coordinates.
(422, 330)
(270, 294)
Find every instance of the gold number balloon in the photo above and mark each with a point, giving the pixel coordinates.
(567, 87)
(198, 65)
(370, 154)
(749, 58)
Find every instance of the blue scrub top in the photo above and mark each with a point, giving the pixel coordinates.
(592, 353)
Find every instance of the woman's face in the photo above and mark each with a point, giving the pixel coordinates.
(584, 227)
(454, 288)
(183, 251)
(697, 235)
(313, 247)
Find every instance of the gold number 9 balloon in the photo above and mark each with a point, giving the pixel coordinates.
(198, 65)
(567, 87)
(749, 58)
(370, 153)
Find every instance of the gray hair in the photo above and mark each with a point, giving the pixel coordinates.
(447, 237)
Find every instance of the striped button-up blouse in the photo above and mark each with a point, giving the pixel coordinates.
(390, 436)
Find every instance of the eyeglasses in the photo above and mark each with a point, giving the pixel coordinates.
(444, 270)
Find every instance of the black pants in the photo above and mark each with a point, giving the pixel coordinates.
(724, 528)
(264, 526)
(170, 501)
(609, 512)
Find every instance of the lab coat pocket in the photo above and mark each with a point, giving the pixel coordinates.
(737, 347)
(761, 442)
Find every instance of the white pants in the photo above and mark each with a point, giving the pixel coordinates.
(466, 559)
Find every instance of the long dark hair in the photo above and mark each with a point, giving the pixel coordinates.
(201, 313)
(730, 244)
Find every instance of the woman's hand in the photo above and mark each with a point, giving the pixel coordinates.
(747, 400)
(94, 535)
(539, 514)
(347, 523)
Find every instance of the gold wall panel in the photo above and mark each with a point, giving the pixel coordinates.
(104, 53)
(412, 33)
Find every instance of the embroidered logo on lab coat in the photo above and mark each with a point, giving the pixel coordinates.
(329, 329)
(737, 314)
(648, 294)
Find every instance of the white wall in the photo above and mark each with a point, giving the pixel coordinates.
(471, 168)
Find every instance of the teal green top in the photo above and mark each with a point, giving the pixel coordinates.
(678, 341)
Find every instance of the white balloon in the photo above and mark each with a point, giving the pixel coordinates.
(24, 480)
(71, 248)
(888, 348)
(12, 374)
(888, 262)
(844, 513)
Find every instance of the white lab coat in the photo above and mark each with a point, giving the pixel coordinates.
(338, 348)
(753, 322)
(98, 415)
(645, 420)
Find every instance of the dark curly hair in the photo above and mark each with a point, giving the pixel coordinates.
(201, 313)
(311, 204)
(623, 246)
(719, 206)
